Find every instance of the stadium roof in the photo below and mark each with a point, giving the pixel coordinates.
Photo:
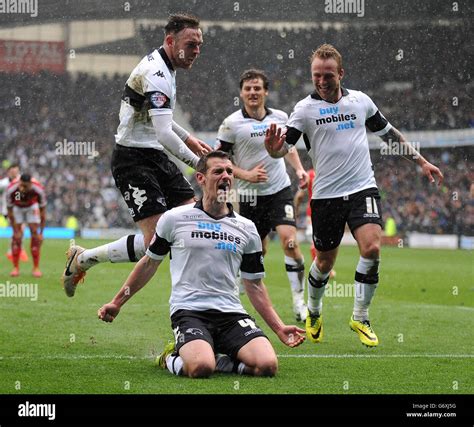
(244, 10)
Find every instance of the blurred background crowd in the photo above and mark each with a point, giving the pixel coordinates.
(400, 70)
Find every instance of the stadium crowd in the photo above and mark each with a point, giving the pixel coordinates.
(388, 68)
(41, 113)
(416, 205)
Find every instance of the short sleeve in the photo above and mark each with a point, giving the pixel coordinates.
(226, 133)
(162, 240)
(158, 93)
(374, 119)
(157, 81)
(297, 118)
(252, 267)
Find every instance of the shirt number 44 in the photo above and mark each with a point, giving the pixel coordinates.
(247, 322)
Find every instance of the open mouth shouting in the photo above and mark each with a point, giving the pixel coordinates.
(224, 186)
(223, 191)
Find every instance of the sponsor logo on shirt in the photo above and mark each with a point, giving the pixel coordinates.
(258, 130)
(215, 235)
(332, 115)
(211, 231)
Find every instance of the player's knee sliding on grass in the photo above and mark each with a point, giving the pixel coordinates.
(210, 243)
(256, 358)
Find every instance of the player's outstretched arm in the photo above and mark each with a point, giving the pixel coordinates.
(163, 125)
(298, 200)
(138, 278)
(198, 147)
(255, 175)
(275, 141)
(428, 169)
(295, 162)
(290, 335)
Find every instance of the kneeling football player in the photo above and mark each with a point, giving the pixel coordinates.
(209, 242)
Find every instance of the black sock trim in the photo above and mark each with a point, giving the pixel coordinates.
(131, 248)
(294, 268)
(235, 368)
(369, 279)
(317, 283)
(172, 365)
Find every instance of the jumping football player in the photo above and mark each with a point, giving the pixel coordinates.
(334, 120)
(149, 181)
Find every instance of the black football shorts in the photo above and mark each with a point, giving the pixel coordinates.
(267, 212)
(329, 216)
(227, 333)
(149, 181)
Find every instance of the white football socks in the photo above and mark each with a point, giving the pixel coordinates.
(295, 272)
(317, 282)
(366, 282)
(174, 364)
(126, 249)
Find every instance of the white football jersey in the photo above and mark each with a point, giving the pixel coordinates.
(150, 90)
(206, 254)
(247, 137)
(336, 140)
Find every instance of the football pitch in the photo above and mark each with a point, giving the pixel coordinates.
(423, 314)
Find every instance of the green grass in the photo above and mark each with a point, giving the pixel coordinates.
(425, 326)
